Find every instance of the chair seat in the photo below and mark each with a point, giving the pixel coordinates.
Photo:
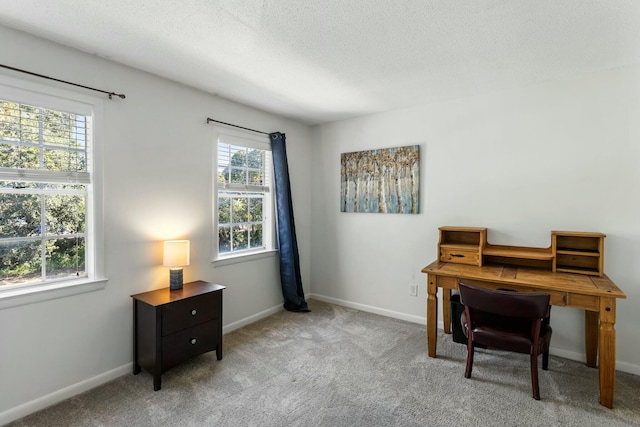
(507, 336)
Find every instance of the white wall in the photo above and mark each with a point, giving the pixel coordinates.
(157, 185)
(557, 156)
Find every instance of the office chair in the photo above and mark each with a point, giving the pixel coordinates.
(507, 320)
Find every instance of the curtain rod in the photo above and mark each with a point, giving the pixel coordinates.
(236, 126)
(119, 95)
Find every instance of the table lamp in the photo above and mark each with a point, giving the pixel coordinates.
(176, 256)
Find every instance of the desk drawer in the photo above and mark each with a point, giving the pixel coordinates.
(586, 302)
(447, 282)
(557, 298)
(460, 256)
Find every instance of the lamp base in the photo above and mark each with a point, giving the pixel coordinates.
(175, 279)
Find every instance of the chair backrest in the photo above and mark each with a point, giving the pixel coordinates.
(505, 303)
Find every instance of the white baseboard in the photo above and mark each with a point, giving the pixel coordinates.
(62, 394)
(629, 368)
(371, 309)
(248, 320)
(571, 355)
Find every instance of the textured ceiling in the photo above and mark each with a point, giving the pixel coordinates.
(325, 60)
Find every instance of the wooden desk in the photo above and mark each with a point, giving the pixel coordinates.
(595, 295)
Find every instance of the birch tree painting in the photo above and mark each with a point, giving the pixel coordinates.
(383, 181)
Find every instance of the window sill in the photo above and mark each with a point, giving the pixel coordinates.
(234, 259)
(48, 291)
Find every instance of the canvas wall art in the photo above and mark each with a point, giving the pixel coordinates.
(381, 181)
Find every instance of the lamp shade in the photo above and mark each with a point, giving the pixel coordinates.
(176, 253)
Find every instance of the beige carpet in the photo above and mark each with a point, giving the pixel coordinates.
(341, 367)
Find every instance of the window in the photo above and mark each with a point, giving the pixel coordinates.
(243, 212)
(47, 217)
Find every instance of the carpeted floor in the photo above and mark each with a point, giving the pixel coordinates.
(341, 367)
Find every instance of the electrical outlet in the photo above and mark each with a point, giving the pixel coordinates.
(413, 289)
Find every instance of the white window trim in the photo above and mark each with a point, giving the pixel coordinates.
(252, 140)
(244, 257)
(28, 92)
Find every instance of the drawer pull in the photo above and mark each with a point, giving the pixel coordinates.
(193, 312)
(193, 341)
(457, 255)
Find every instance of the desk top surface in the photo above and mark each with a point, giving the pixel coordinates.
(538, 278)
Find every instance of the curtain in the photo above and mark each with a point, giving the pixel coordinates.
(287, 243)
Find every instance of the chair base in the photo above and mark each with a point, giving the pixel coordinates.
(535, 385)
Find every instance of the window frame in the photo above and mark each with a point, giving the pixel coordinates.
(58, 99)
(249, 140)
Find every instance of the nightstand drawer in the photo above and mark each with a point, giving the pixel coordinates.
(189, 343)
(189, 312)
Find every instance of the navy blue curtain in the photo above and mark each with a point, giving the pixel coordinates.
(287, 243)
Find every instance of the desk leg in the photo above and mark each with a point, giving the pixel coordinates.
(432, 314)
(607, 350)
(591, 325)
(446, 309)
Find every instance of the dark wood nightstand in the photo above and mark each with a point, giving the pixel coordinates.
(170, 327)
